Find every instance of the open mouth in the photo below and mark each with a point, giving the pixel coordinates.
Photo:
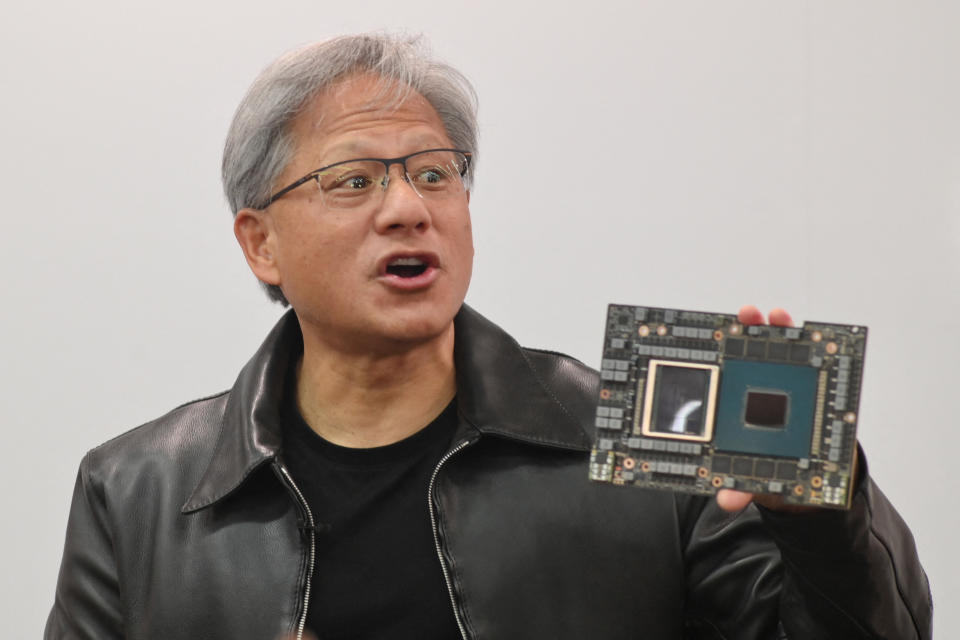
(407, 267)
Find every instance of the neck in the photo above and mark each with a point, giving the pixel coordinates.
(366, 400)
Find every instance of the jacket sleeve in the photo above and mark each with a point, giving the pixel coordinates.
(847, 575)
(851, 574)
(87, 601)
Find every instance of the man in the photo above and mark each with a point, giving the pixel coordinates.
(391, 464)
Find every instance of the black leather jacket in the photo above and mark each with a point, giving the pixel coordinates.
(189, 527)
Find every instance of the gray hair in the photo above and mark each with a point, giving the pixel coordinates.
(259, 143)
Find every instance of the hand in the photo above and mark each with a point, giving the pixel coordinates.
(728, 499)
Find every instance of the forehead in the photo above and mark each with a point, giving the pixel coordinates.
(367, 114)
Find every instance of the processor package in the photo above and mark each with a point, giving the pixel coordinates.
(697, 402)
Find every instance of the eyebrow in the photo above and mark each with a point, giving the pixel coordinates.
(361, 149)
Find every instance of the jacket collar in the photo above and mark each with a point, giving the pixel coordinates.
(501, 393)
(498, 392)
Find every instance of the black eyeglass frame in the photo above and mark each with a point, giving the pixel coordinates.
(387, 162)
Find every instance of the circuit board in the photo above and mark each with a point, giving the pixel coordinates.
(696, 402)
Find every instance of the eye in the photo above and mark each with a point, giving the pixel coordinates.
(348, 180)
(352, 182)
(433, 176)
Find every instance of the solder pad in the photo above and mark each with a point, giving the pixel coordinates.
(696, 402)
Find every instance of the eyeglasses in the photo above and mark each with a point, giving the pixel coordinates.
(434, 174)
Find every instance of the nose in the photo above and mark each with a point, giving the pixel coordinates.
(402, 208)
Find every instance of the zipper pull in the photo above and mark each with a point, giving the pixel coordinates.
(319, 527)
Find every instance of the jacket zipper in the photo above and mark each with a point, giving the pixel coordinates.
(312, 557)
(436, 536)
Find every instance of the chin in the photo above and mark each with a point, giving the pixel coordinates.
(382, 322)
(420, 323)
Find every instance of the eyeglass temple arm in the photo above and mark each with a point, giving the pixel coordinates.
(291, 187)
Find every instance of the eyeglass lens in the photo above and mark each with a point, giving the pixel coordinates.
(434, 175)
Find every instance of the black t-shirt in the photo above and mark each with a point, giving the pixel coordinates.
(377, 574)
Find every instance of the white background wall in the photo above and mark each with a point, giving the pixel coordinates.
(700, 154)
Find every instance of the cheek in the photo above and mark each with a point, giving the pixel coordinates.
(315, 254)
(464, 248)
(467, 233)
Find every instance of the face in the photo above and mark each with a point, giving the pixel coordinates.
(342, 270)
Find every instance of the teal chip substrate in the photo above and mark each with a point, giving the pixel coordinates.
(790, 439)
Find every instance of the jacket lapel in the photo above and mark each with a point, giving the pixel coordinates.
(250, 434)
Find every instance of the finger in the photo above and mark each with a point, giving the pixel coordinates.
(780, 318)
(733, 501)
(749, 314)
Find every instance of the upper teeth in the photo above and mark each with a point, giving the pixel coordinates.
(406, 262)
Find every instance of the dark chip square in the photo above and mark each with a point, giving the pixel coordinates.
(721, 464)
(756, 348)
(799, 352)
(733, 347)
(786, 470)
(777, 350)
(764, 468)
(743, 466)
(766, 409)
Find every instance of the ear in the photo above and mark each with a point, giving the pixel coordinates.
(255, 233)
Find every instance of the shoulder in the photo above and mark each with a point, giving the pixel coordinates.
(179, 442)
(571, 382)
(563, 367)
